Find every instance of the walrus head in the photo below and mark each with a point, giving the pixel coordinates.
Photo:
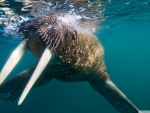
(43, 36)
(46, 32)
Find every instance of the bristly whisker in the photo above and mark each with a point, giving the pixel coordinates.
(50, 43)
(40, 32)
(57, 43)
(57, 40)
(45, 38)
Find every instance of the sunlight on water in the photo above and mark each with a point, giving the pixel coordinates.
(86, 9)
(86, 13)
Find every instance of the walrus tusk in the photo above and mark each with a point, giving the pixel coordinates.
(13, 60)
(40, 67)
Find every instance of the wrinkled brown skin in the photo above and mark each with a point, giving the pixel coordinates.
(78, 57)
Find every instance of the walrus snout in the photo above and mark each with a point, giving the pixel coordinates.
(36, 46)
(46, 32)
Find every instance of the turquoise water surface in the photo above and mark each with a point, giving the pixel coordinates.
(125, 36)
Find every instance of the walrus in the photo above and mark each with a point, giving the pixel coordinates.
(66, 53)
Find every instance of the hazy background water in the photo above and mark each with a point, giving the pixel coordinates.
(125, 36)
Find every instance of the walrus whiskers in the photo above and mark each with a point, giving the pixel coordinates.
(45, 39)
(56, 41)
(40, 33)
(13, 60)
(48, 41)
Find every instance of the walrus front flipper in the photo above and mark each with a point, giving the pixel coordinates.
(12, 88)
(115, 97)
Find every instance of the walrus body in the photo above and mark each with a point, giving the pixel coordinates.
(77, 55)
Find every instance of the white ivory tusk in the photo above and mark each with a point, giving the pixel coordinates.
(13, 60)
(40, 67)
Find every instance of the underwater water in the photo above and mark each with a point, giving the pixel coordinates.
(125, 36)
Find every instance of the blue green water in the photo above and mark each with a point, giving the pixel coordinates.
(126, 39)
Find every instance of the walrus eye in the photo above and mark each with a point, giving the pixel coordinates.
(40, 67)
(13, 60)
